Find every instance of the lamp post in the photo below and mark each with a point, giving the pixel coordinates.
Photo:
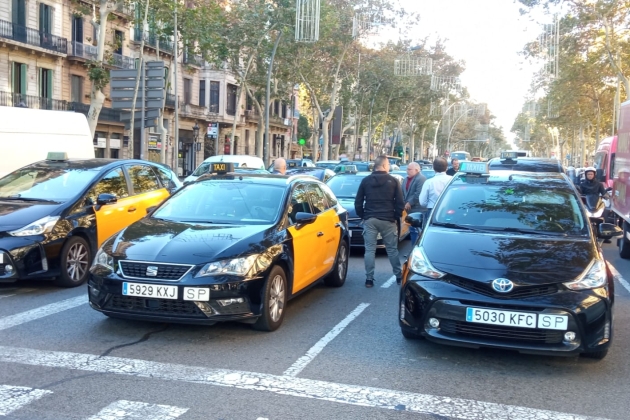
(438, 129)
(195, 148)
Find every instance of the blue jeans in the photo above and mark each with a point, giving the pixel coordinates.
(389, 232)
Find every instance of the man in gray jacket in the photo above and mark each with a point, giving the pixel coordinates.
(411, 194)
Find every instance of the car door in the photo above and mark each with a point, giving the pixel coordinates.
(111, 218)
(328, 223)
(307, 249)
(146, 190)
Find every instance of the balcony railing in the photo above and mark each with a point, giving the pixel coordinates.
(79, 49)
(150, 39)
(122, 61)
(125, 9)
(193, 59)
(33, 37)
(170, 100)
(106, 114)
(29, 101)
(250, 114)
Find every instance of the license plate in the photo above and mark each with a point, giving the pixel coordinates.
(149, 290)
(200, 294)
(350, 233)
(1, 258)
(517, 319)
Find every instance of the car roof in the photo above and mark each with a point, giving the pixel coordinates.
(89, 164)
(267, 179)
(524, 164)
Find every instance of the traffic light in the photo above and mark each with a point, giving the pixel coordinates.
(301, 142)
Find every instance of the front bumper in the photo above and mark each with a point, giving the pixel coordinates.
(589, 316)
(105, 295)
(28, 257)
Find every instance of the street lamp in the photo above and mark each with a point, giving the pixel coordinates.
(196, 132)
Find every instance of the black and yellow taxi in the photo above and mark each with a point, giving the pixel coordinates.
(228, 247)
(509, 259)
(345, 186)
(54, 214)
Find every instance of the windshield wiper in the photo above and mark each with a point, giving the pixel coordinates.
(527, 231)
(18, 197)
(453, 226)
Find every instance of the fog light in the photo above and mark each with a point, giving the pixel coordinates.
(226, 302)
(402, 310)
(8, 269)
(93, 291)
(607, 330)
(434, 322)
(569, 336)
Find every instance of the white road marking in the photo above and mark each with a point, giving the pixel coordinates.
(131, 410)
(15, 397)
(6, 296)
(436, 406)
(389, 282)
(617, 275)
(41, 312)
(301, 363)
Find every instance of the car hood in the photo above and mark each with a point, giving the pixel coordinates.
(526, 260)
(15, 214)
(186, 243)
(348, 204)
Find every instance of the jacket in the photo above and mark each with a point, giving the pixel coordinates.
(380, 197)
(593, 187)
(412, 195)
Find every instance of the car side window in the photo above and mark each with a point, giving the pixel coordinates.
(330, 196)
(318, 199)
(143, 179)
(166, 177)
(112, 183)
(299, 203)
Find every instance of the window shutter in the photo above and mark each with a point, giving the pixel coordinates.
(49, 83)
(23, 86)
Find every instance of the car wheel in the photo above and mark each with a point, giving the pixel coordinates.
(75, 262)
(338, 276)
(598, 355)
(274, 300)
(410, 335)
(624, 244)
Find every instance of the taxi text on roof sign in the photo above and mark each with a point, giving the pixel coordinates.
(221, 167)
(509, 155)
(474, 167)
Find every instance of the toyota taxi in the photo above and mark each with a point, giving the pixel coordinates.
(509, 260)
(54, 214)
(228, 247)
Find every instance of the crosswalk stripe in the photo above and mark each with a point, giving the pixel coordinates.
(16, 397)
(132, 410)
(41, 312)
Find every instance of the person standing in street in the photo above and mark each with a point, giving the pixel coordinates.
(279, 166)
(454, 168)
(433, 187)
(411, 194)
(379, 203)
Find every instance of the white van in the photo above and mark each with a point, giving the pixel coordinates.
(238, 161)
(27, 135)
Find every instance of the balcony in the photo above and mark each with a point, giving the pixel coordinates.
(30, 36)
(251, 115)
(170, 100)
(121, 61)
(81, 50)
(192, 59)
(190, 110)
(106, 114)
(33, 102)
(150, 39)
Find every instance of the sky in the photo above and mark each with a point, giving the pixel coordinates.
(487, 35)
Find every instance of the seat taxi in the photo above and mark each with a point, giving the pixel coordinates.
(54, 214)
(509, 260)
(228, 247)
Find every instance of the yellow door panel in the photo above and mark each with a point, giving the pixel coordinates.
(332, 234)
(404, 227)
(307, 261)
(146, 200)
(112, 218)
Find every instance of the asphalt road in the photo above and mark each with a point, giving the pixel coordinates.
(338, 355)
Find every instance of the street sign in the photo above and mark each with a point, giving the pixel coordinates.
(127, 104)
(147, 123)
(150, 114)
(213, 130)
(128, 94)
(150, 90)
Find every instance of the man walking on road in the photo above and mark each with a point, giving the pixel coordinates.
(433, 187)
(454, 168)
(411, 194)
(379, 203)
(279, 166)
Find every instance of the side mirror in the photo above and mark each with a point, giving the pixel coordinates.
(608, 230)
(150, 209)
(104, 199)
(415, 219)
(302, 219)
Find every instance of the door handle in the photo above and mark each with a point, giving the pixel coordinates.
(320, 234)
(338, 225)
(131, 209)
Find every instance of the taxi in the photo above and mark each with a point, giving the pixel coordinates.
(228, 247)
(510, 160)
(509, 260)
(54, 214)
(345, 186)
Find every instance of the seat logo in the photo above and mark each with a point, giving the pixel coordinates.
(502, 285)
(152, 271)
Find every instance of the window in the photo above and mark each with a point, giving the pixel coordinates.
(330, 196)
(231, 100)
(19, 12)
(318, 199)
(45, 18)
(76, 88)
(166, 177)
(202, 93)
(143, 179)
(276, 108)
(247, 142)
(118, 42)
(112, 183)
(214, 96)
(187, 91)
(45, 83)
(18, 79)
(77, 29)
(299, 203)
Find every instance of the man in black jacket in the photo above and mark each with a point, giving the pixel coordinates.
(379, 202)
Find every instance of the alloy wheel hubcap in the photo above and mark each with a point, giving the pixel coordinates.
(276, 298)
(342, 262)
(77, 262)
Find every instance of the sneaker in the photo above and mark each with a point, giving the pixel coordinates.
(369, 283)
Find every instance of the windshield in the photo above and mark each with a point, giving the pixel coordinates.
(546, 206)
(53, 183)
(460, 155)
(223, 202)
(345, 186)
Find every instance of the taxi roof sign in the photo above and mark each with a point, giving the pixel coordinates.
(470, 167)
(221, 167)
(57, 156)
(512, 155)
(348, 169)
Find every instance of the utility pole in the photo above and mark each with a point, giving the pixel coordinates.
(267, 100)
(176, 130)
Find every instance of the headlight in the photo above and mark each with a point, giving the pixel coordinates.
(593, 277)
(39, 227)
(419, 263)
(104, 260)
(235, 266)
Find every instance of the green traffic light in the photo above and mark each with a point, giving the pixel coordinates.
(301, 142)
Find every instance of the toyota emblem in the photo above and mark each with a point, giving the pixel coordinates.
(502, 285)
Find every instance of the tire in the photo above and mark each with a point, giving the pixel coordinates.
(338, 276)
(274, 301)
(410, 335)
(597, 355)
(75, 262)
(624, 244)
